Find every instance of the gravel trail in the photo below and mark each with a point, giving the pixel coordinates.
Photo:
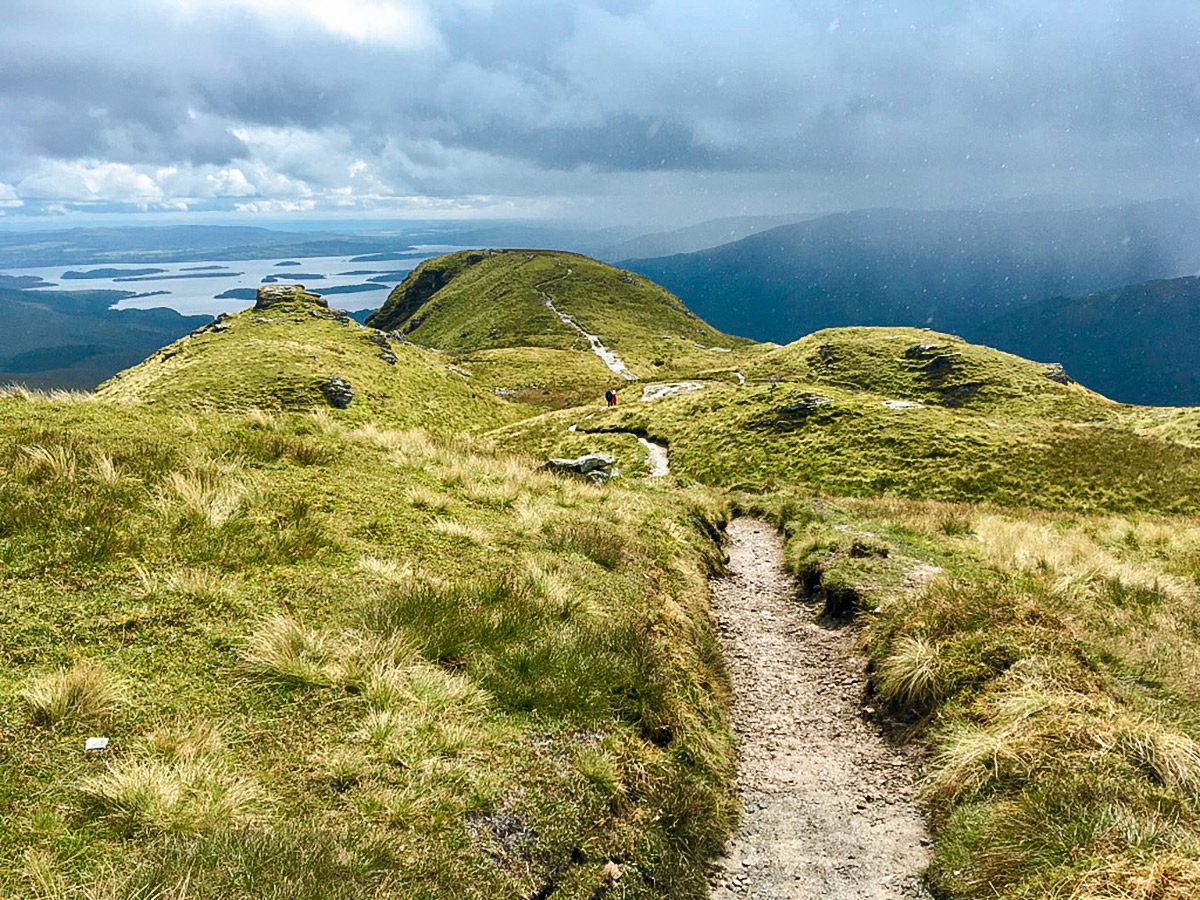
(828, 809)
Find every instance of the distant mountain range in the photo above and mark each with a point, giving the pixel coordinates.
(948, 270)
(712, 233)
(1136, 344)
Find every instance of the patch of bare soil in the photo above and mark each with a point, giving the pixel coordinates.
(828, 805)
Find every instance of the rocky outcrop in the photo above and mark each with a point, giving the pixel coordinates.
(942, 368)
(271, 294)
(652, 392)
(801, 407)
(597, 466)
(923, 351)
(337, 391)
(1057, 373)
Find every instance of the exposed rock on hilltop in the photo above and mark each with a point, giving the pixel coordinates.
(271, 294)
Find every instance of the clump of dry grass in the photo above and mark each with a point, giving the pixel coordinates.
(150, 795)
(104, 470)
(475, 534)
(205, 586)
(84, 693)
(385, 569)
(424, 497)
(40, 463)
(16, 392)
(261, 418)
(910, 675)
(286, 651)
(201, 497)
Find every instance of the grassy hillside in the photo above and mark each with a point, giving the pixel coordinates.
(475, 304)
(910, 413)
(376, 650)
(1133, 343)
(278, 359)
(341, 661)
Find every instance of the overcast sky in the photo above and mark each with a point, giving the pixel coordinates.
(638, 111)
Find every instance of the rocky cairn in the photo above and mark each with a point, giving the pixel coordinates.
(271, 294)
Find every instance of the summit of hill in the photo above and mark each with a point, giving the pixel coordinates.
(292, 352)
(530, 323)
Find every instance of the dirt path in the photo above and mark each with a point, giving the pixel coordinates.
(658, 460)
(827, 803)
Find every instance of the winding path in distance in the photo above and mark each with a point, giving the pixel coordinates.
(828, 808)
(610, 359)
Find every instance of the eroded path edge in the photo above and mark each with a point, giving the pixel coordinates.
(828, 805)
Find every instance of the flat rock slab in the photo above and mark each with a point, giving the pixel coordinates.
(828, 805)
(652, 392)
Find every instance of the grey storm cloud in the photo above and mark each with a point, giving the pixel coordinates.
(887, 102)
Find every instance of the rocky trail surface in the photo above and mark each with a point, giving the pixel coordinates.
(610, 359)
(828, 808)
(658, 460)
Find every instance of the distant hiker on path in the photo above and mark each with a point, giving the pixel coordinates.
(611, 396)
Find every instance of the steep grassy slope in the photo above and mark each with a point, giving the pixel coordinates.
(951, 270)
(279, 357)
(476, 304)
(1134, 344)
(345, 662)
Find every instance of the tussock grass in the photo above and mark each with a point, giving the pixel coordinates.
(453, 528)
(56, 396)
(205, 586)
(104, 470)
(384, 569)
(910, 676)
(53, 463)
(424, 497)
(83, 694)
(203, 498)
(149, 795)
(288, 652)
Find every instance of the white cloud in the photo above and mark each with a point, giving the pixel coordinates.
(90, 181)
(390, 23)
(261, 207)
(8, 196)
(230, 183)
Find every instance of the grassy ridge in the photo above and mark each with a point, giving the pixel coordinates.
(312, 689)
(852, 412)
(277, 359)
